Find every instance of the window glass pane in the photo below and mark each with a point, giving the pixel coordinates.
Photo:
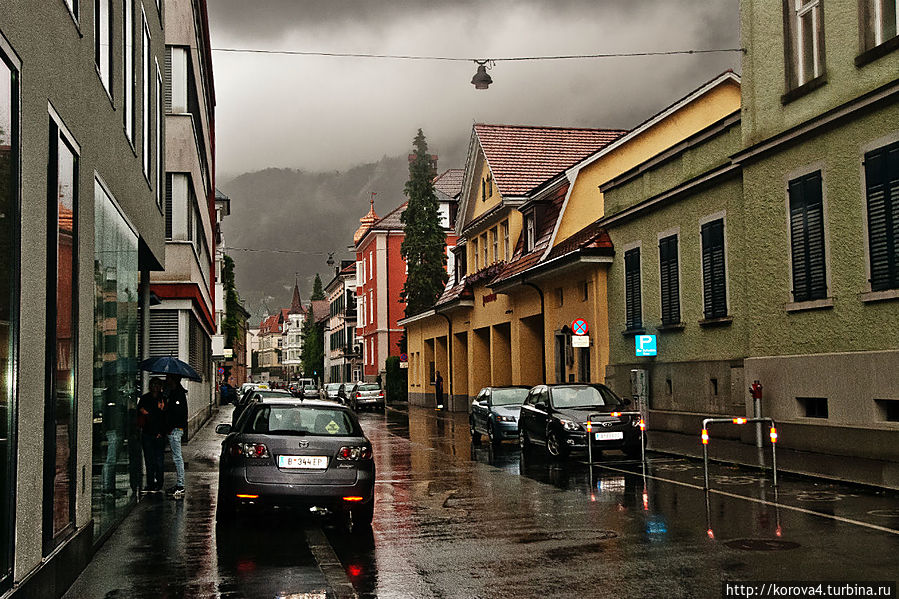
(116, 453)
(63, 353)
(8, 296)
(145, 106)
(102, 42)
(889, 19)
(807, 43)
(128, 36)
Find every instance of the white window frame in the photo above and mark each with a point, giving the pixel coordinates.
(371, 312)
(160, 171)
(530, 231)
(178, 56)
(128, 67)
(878, 20)
(103, 34)
(145, 104)
(802, 8)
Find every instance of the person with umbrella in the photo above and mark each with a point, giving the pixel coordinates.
(176, 423)
(175, 409)
(151, 421)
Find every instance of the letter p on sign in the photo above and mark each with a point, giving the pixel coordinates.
(645, 345)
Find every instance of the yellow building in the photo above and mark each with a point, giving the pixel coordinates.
(529, 259)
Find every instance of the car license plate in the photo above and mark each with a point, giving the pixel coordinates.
(613, 436)
(307, 462)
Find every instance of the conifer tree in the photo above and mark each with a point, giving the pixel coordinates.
(424, 244)
(318, 292)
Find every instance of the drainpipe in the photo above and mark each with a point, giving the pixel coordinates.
(542, 325)
(449, 355)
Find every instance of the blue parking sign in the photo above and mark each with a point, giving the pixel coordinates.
(645, 344)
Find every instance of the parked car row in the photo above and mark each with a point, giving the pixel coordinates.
(556, 417)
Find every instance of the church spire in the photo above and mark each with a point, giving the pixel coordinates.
(296, 306)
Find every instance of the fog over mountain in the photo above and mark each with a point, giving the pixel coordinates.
(309, 212)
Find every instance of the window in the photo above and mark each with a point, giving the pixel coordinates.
(880, 21)
(583, 369)
(128, 54)
(882, 195)
(807, 238)
(714, 286)
(813, 407)
(157, 110)
(484, 249)
(474, 255)
(450, 262)
(371, 307)
(585, 290)
(560, 297)
(494, 236)
(888, 409)
(633, 306)
(530, 231)
(669, 279)
(805, 45)
(9, 294)
(460, 262)
(505, 230)
(169, 179)
(62, 342)
(145, 106)
(73, 7)
(103, 42)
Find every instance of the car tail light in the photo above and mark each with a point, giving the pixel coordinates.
(381, 394)
(247, 496)
(250, 450)
(354, 453)
(354, 498)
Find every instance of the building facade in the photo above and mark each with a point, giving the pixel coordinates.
(183, 323)
(82, 95)
(343, 359)
(222, 209)
(292, 336)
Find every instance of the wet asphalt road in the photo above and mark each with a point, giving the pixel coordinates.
(454, 520)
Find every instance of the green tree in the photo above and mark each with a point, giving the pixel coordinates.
(318, 292)
(230, 326)
(312, 356)
(424, 244)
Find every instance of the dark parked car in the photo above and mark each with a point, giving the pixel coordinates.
(556, 417)
(297, 453)
(366, 394)
(495, 412)
(255, 395)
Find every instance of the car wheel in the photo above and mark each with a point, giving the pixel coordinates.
(475, 435)
(554, 446)
(362, 516)
(491, 434)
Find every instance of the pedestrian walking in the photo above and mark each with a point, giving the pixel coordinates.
(438, 390)
(151, 422)
(176, 424)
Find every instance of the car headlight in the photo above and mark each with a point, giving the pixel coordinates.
(500, 418)
(569, 425)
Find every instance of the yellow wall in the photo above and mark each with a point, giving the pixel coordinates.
(476, 206)
(585, 203)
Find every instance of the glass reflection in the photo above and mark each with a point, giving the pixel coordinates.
(116, 448)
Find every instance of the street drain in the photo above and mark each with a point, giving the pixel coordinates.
(821, 496)
(761, 544)
(567, 535)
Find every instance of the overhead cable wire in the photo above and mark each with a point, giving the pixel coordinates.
(463, 59)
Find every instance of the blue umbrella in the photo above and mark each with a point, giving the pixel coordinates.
(170, 365)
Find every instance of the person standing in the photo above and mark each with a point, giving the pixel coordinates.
(176, 423)
(438, 390)
(151, 422)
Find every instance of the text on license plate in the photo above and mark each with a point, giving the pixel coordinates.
(311, 462)
(613, 436)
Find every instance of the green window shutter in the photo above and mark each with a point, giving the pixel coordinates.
(713, 270)
(807, 238)
(669, 277)
(632, 302)
(882, 182)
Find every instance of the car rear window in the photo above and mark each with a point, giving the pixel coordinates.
(583, 396)
(508, 397)
(369, 387)
(273, 393)
(301, 420)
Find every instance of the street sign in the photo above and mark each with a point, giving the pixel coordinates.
(404, 364)
(579, 327)
(645, 345)
(404, 357)
(221, 370)
(580, 341)
(229, 353)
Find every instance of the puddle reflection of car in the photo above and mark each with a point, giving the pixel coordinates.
(494, 413)
(556, 417)
(305, 453)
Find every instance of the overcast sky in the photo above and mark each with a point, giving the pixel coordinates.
(318, 113)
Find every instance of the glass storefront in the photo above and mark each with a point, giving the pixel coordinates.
(59, 440)
(9, 233)
(116, 461)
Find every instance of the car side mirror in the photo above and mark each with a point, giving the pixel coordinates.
(223, 429)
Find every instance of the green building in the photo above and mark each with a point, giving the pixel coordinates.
(765, 247)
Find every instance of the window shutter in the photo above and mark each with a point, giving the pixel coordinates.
(167, 88)
(669, 277)
(164, 333)
(882, 182)
(633, 313)
(713, 271)
(807, 238)
(168, 205)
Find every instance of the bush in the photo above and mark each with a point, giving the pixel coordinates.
(396, 386)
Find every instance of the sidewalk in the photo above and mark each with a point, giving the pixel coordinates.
(860, 471)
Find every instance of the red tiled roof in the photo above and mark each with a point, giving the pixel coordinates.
(321, 310)
(349, 268)
(451, 294)
(521, 158)
(591, 236)
(449, 182)
(392, 220)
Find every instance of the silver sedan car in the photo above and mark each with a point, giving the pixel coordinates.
(307, 453)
